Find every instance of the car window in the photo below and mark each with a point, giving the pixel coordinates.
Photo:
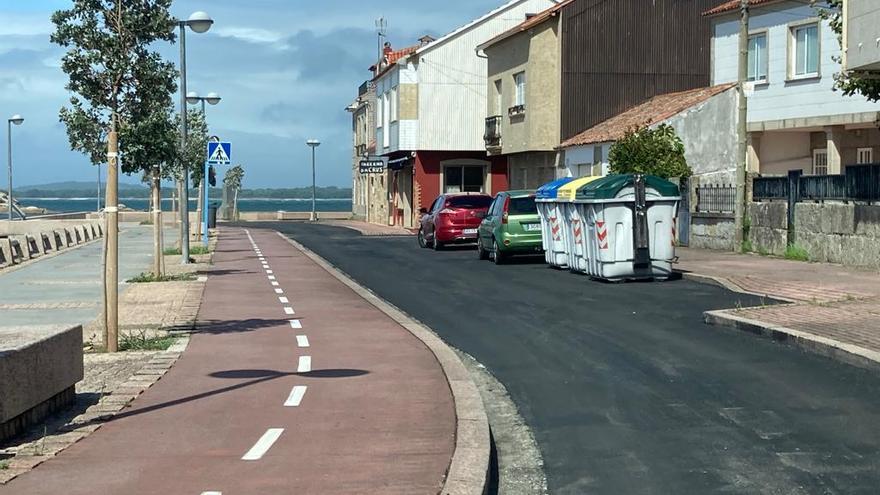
(498, 207)
(469, 201)
(522, 206)
(492, 207)
(436, 205)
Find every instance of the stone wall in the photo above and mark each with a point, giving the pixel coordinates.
(768, 227)
(837, 233)
(712, 231)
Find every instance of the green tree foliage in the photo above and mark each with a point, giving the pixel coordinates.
(658, 151)
(116, 77)
(851, 82)
(234, 177)
(196, 147)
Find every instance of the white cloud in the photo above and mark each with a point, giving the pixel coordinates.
(12, 24)
(249, 34)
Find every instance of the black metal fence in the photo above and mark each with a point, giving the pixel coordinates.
(716, 198)
(857, 183)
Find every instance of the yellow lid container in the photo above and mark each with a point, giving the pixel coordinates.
(569, 191)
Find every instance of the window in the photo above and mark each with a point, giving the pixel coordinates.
(519, 80)
(468, 202)
(499, 104)
(522, 206)
(805, 52)
(394, 104)
(468, 178)
(820, 161)
(379, 110)
(386, 115)
(864, 156)
(758, 57)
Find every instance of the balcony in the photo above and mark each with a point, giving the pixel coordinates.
(492, 136)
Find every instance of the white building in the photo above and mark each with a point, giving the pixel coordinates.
(431, 101)
(796, 120)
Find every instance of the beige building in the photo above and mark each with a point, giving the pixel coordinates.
(523, 104)
(369, 191)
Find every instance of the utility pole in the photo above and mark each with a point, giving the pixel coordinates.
(742, 126)
(313, 143)
(99, 188)
(183, 187)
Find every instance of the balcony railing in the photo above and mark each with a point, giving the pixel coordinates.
(492, 137)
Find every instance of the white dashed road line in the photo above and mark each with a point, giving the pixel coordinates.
(212, 493)
(296, 396)
(305, 364)
(296, 324)
(302, 340)
(283, 300)
(288, 310)
(263, 444)
(271, 277)
(279, 291)
(275, 284)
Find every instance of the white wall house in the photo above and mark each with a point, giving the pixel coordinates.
(435, 98)
(796, 119)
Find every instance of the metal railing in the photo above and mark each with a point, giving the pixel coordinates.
(717, 198)
(857, 183)
(492, 136)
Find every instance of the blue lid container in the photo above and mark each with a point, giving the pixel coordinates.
(548, 191)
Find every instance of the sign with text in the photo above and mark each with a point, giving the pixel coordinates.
(372, 166)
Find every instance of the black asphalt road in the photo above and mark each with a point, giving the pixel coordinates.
(625, 388)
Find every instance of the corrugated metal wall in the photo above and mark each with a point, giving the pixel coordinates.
(618, 53)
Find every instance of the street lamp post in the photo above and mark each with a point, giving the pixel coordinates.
(313, 143)
(199, 22)
(212, 99)
(17, 120)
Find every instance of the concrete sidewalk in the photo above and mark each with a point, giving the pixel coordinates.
(66, 289)
(293, 384)
(833, 310)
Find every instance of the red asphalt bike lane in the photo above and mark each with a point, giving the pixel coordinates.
(377, 416)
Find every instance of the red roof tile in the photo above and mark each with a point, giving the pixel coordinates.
(528, 23)
(394, 56)
(732, 5)
(653, 111)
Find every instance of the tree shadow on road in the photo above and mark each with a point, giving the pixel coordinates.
(216, 327)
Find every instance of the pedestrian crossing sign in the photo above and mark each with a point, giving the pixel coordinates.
(219, 153)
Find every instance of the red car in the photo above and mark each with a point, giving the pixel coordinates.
(453, 218)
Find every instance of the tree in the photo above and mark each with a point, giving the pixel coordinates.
(850, 82)
(653, 151)
(233, 179)
(116, 80)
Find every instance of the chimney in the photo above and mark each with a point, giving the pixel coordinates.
(425, 40)
(387, 48)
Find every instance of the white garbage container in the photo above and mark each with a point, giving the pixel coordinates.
(630, 224)
(551, 222)
(573, 227)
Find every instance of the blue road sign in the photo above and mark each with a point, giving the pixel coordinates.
(219, 153)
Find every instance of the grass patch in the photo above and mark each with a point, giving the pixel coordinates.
(148, 278)
(4, 465)
(197, 249)
(746, 246)
(144, 343)
(796, 253)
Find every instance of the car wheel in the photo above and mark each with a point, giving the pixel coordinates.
(481, 253)
(497, 256)
(422, 242)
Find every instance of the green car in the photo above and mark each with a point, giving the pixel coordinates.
(510, 227)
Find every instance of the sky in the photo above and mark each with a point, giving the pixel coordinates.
(286, 70)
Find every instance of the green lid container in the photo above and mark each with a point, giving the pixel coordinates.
(609, 187)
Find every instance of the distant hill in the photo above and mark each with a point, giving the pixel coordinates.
(79, 189)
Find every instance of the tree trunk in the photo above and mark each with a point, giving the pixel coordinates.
(235, 206)
(200, 209)
(155, 187)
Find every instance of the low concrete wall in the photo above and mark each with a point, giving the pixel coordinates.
(21, 241)
(262, 216)
(39, 367)
(830, 232)
(712, 231)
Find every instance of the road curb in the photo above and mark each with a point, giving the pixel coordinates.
(727, 284)
(834, 349)
(469, 467)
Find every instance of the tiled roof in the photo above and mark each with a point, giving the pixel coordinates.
(528, 23)
(393, 57)
(655, 110)
(732, 5)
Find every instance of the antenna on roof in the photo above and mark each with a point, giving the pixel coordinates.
(381, 29)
